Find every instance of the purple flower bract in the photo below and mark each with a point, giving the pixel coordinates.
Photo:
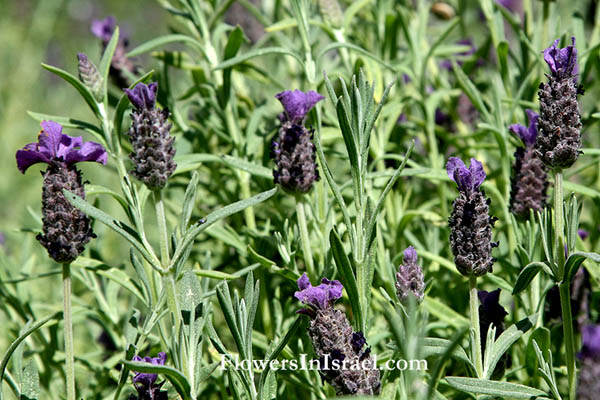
(53, 145)
(297, 103)
(467, 179)
(319, 297)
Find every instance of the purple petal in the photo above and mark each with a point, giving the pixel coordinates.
(303, 282)
(583, 234)
(49, 138)
(89, 151)
(562, 62)
(527, 134)
(477, 173)
(104, 28)
(319, 297)
(466, 179)
(28, 156)
(142, 96)
(519, 130)
(410, 255)
(297, 103)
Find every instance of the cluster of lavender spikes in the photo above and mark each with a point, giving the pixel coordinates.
(293, 150)
(470, 222)
(152, 143)
(66, 230)
(334, 341)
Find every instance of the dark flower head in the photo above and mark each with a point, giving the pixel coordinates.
(143, 96)
(490, 305)
(103, 28)
(590, 338)
(583, 234)
(297, 103)
(53, 145)
(527, 134)
(562, 62)
(358, 341)
(320, 297)
(146, 380)
(467, 179)
(409, 278)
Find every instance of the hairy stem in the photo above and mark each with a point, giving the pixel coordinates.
(564, 287)
(304, 237)
(68, 332)
(474, 309)
(162, 228)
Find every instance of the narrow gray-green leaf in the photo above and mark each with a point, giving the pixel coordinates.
(78, 85)
(495, 388)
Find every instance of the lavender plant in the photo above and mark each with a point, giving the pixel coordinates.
(251, 148)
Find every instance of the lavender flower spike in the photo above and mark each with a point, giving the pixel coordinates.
(334, 341)
(588, 386)
(559, 140)
(470, 222)
(530, 176)
(145, 383)
(152, 143)
(293, 149)
(66, 229)
(297, 103)
(409, 278)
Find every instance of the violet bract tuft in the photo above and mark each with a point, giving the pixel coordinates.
(145, 383)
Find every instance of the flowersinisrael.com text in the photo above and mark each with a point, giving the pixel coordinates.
(303, 363)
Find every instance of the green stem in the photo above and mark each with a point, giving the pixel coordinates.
(162, 228)
(474, 309)
(68, 329)
(564, 286)
(304, 237)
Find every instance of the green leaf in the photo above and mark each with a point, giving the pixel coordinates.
(574, 262)
(471, 91)
(251, 168)
(164, 40)
(444, 313)
(358, 49)
(347, 277)
(438, 346)
(236, 38)
(107, 57)
(27, 330)
(78, 85)
(122, 279)
(120, 227)
(216, 216)
(176, 378)
(124, 103)
(527, 274)
(226, 304)
(506, 339)
(30, 385)
(569, 186)
(206, 273)
(541, 336)
(257, 53)
(189, 202)
(495, 388)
